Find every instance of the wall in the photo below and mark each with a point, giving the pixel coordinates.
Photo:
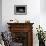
(0, 15)
(43, 6)
(43, 14)
(33, 14)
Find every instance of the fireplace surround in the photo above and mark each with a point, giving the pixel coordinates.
(22, 33)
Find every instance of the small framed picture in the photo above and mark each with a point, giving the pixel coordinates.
(20, 9)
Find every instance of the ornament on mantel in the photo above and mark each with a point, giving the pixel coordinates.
(14, 21)
(27, 21)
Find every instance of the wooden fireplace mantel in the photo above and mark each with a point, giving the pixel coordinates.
(23, 27)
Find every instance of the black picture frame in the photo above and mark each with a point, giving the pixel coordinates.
(20, 9)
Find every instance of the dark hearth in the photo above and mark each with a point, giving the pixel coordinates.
(20, 37)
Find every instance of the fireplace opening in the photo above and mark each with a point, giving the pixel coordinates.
(20, 38)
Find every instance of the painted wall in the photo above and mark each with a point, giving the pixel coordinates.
(0, 15)
(43, 14)
(43, 6)
(33, 14)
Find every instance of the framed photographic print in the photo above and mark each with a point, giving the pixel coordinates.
(20, 9)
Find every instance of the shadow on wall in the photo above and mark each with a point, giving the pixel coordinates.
(0, 15)
(43, 6)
